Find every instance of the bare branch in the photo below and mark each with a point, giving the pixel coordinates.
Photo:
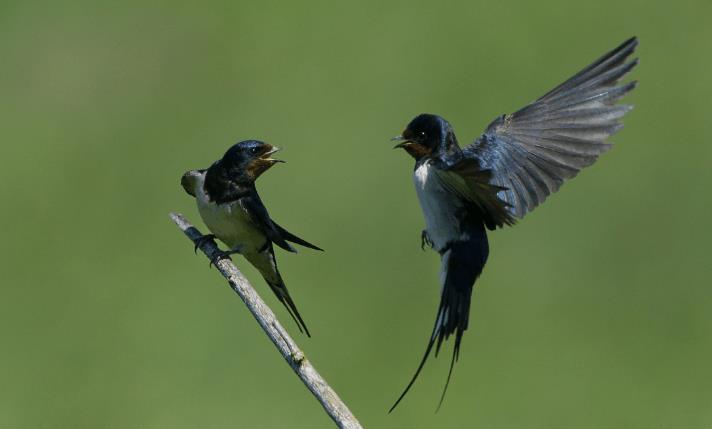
(331, 402)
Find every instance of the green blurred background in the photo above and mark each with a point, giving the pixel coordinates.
(593, 312)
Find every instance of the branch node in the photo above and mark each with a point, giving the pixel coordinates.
(298, 357)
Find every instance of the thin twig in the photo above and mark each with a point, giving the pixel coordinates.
(331, 402)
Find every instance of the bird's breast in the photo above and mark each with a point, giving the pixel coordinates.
(230, 223)
(441, 209)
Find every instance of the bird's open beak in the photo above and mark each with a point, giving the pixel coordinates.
(402, 142)
(266, 156)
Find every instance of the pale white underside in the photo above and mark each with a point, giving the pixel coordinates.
(231, 224)
(440, 206)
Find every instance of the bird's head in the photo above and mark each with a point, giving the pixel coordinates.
(427, 135)
(249, 159)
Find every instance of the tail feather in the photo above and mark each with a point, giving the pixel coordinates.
(420, 367)
(440, 334)
(455, 355)
(280, 290)
(462, 263)
(266, 263)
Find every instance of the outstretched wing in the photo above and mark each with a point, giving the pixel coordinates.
(531, 152)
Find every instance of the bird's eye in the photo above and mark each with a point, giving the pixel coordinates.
(254, 150)
(422, 133)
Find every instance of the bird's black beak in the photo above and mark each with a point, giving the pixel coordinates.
(402, 142)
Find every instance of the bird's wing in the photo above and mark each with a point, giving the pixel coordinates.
(253, 206)
(189, 180)
(473, 184)
(531, 152)
(293, 238)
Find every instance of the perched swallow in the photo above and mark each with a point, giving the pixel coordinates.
(510, 169)
(233, 211)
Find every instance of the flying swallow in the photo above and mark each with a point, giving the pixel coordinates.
(509, 170)
(232, 209)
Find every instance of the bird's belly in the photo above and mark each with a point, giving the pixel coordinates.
(265, 263)
(231, 224)
(441, 209)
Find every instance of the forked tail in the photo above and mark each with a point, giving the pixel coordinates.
(280, 290)
(462, 262)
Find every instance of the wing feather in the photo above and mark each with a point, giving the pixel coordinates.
(294, 239)
(531, 152)
(258, 215)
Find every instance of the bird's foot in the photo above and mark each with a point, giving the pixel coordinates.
(202, 240)
(425, 240)
(224, 255)
(219, 255)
